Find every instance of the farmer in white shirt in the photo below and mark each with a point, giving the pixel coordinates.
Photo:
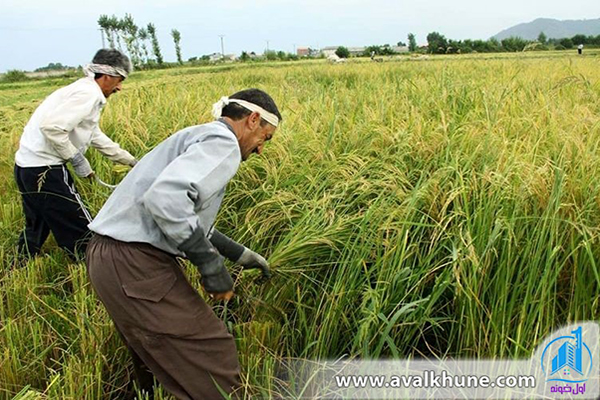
(60, 131)
(165, 208)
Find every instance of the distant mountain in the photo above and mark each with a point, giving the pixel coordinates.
(552, 28)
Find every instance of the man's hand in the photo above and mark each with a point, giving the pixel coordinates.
(252, 260)
(221, 296)
(81, 166)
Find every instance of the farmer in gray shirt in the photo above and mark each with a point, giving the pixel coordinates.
(164, 208)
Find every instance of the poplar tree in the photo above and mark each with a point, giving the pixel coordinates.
(130, 36)
(412, 42)
(105, 24)
(177, 38)
(155, 45)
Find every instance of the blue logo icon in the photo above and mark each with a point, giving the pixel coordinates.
(567, 359)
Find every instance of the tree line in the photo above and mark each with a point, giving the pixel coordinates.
(438, 44)
(137, 40)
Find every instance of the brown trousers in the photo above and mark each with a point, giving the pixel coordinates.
(164, 321)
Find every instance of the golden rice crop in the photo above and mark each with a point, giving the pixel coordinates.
(439, 207)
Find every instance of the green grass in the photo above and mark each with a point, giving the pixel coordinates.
(446, 206)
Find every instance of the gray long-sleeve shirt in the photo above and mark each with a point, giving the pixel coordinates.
(173, 190)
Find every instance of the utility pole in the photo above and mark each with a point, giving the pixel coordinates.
(102, 33)
(267, 46)
(294, 49)
(222, 46)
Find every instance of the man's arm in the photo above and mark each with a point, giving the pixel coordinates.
(240, 254)
(195, 176)
(110, 149)
(215, 277)
(228, 247)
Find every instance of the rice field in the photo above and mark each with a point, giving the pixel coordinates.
(439, 207)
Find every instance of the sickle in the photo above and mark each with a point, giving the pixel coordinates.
(102, 183)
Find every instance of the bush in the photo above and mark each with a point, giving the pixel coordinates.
(342, 52)
(15, 75)
(271, 55)
(566, 43)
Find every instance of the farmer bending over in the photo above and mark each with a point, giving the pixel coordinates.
(60, 131)
(164, 208)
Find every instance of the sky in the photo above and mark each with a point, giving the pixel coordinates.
(34, 33)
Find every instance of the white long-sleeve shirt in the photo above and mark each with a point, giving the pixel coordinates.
(175, 189)
(67, 122)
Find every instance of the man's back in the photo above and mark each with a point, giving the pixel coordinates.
(82, 98)
(190, 169)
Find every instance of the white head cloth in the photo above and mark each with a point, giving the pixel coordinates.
(264, 114)
(91, 69)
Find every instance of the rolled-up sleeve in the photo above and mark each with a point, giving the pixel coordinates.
(110, 149)
(194, 177)
(57, 124)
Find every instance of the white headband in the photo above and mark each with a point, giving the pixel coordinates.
(91, 69)
(264, 114)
